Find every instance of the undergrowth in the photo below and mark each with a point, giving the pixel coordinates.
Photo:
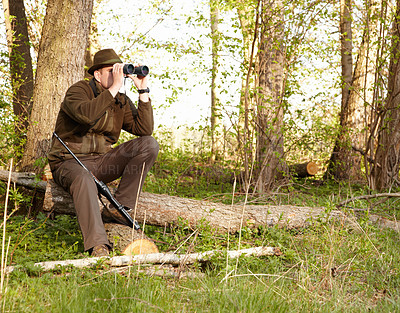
(326, 267)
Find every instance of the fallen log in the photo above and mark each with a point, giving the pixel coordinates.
(28, 180)
(156, 258)
(303, 170)
(164, 210)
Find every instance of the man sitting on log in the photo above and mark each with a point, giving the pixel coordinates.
(90, 121)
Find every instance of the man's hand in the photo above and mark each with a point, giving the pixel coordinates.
(118, 78)
(141, 83)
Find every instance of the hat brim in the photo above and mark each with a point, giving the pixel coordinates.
(96, 67)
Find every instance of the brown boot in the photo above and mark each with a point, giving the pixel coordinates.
(111, 215)
(100, 250)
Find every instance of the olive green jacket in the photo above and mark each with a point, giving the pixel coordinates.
(91, 124)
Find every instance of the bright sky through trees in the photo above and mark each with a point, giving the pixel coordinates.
(172, 39)
(181, 61)
(121, 22)
(181, 70)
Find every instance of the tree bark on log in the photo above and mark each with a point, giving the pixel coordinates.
(303, 170)
(164, 210)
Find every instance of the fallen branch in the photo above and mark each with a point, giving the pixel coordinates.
(155, 258)
(365, 197)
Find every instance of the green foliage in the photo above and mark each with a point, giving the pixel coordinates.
(184, 171)
(328, 266)
(11, 144)
(43, 239)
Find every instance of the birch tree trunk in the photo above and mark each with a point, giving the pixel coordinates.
(270, 161)
(60, 63)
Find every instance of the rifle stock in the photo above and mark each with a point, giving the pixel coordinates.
(103, 189)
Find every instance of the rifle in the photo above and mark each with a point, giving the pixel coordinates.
(103, 189)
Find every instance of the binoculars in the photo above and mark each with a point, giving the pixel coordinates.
(129, 69)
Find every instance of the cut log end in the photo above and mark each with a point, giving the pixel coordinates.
(312, 168)
(128, 240)
(140, 246)
(304, 169)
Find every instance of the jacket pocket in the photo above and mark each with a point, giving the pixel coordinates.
(105, 124)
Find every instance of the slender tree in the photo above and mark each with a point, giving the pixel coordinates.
(340, 163)
(61, 62)
(357, 96)
(385, 173)
(20, 62)
(215, 119)
(270, 105)
(248, 13)
(361, 101)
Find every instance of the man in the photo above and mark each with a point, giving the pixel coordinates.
(89, 122)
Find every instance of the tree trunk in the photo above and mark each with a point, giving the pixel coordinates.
(346, 50)
(340, 163)
(245, 128)
(270, 107)
(60, 63)
(20, 62)
(215, 120)
(355, 116)
(387, 159)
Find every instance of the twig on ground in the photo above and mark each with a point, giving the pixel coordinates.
(365, 197)
(156, 258)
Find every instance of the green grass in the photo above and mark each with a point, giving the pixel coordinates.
(327, 267)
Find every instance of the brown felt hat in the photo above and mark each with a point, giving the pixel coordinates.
(103, 58)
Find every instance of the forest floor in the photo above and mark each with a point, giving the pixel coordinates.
(327, 267)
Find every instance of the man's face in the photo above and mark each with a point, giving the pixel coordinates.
(105, 76)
